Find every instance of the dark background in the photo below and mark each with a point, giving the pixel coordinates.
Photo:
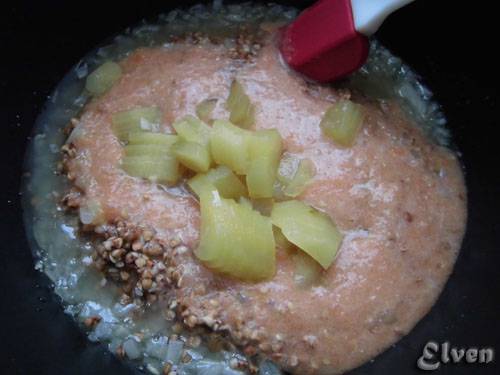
(451, 44)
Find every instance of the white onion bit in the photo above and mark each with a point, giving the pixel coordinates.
(132, 349)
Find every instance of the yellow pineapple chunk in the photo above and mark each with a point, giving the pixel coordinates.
(308, 229)
(342, 122)
(222, 179)
(163, 169)
(229, 146)
(235, 240)
(265, 150)
(144, 119)
(242, 111)
(191, 129)
(192, 155)
(149, 155)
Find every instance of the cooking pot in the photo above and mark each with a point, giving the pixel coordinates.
(41, 41)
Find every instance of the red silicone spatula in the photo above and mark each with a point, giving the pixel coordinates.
(329, 40)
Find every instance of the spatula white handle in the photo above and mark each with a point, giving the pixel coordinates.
(368, 15)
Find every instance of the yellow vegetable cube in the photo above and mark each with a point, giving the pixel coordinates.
(242, 111)
(191, 129)
(148, 155)
(164, 169)
(222, 179)
(342, 122)
(192, 155)
(144, 119)
(229, 146)
(265, 150)
(308, 229)
(235, 240)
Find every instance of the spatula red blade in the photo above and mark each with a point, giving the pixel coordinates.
(323, 44)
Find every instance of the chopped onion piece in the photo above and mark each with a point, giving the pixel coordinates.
(91, 213)
(174, 351)
(131, 348)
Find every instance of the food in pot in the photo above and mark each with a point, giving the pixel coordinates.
(224, 196)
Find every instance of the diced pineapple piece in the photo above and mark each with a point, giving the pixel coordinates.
(221, 178)
(193, 150)
(259, 177)
(103, 78)
(303, 176)
(342, 122)
(229, 146)
(235, 240)
(191, 129)
(310, 230)
(144, 119)
(242, 112)
(149, 155)
(160, 139)
(265, 150)
(205, 109)
(192, 155)
(164, 169)
(307, 271)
